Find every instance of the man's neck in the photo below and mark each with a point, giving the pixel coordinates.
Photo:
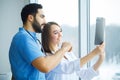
(28, 28)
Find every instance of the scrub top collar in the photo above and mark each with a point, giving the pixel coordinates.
(32, 34)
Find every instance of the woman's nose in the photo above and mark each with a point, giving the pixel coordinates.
(60, 34)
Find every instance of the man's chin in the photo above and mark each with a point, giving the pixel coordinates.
(38, 31)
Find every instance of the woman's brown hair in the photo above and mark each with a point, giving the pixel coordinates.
(46, 36)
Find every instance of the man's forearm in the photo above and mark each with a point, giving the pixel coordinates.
(47, 63)
(55, 59)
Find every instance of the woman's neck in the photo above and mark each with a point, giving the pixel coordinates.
(53, 48)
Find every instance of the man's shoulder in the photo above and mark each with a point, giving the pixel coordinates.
(20, 37)
(21, 33)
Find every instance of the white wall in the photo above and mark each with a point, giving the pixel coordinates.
(10, 20)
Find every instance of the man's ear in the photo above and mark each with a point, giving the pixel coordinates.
(30, 18)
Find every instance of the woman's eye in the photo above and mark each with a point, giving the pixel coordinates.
(55, 32)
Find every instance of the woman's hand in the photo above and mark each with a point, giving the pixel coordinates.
(100, 50)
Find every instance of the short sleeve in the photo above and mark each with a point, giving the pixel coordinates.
(30, 49)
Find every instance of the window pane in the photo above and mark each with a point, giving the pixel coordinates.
(107, 9)
(65, 13)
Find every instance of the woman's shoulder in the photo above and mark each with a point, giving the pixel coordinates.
(70, 56)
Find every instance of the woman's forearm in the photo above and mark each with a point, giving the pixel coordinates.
(87, 58)
(99, 62)
(97, 51)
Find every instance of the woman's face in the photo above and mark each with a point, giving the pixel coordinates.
(55, 34)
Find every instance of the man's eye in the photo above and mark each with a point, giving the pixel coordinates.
(42, 16)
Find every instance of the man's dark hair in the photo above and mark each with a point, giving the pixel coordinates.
(30, 9)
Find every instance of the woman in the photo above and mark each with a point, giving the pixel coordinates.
(70, 65)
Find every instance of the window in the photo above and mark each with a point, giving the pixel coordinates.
(65, 13)
(107, 9)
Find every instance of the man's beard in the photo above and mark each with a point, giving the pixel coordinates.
(36, 26)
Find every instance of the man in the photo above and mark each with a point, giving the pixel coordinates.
(27, 60)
